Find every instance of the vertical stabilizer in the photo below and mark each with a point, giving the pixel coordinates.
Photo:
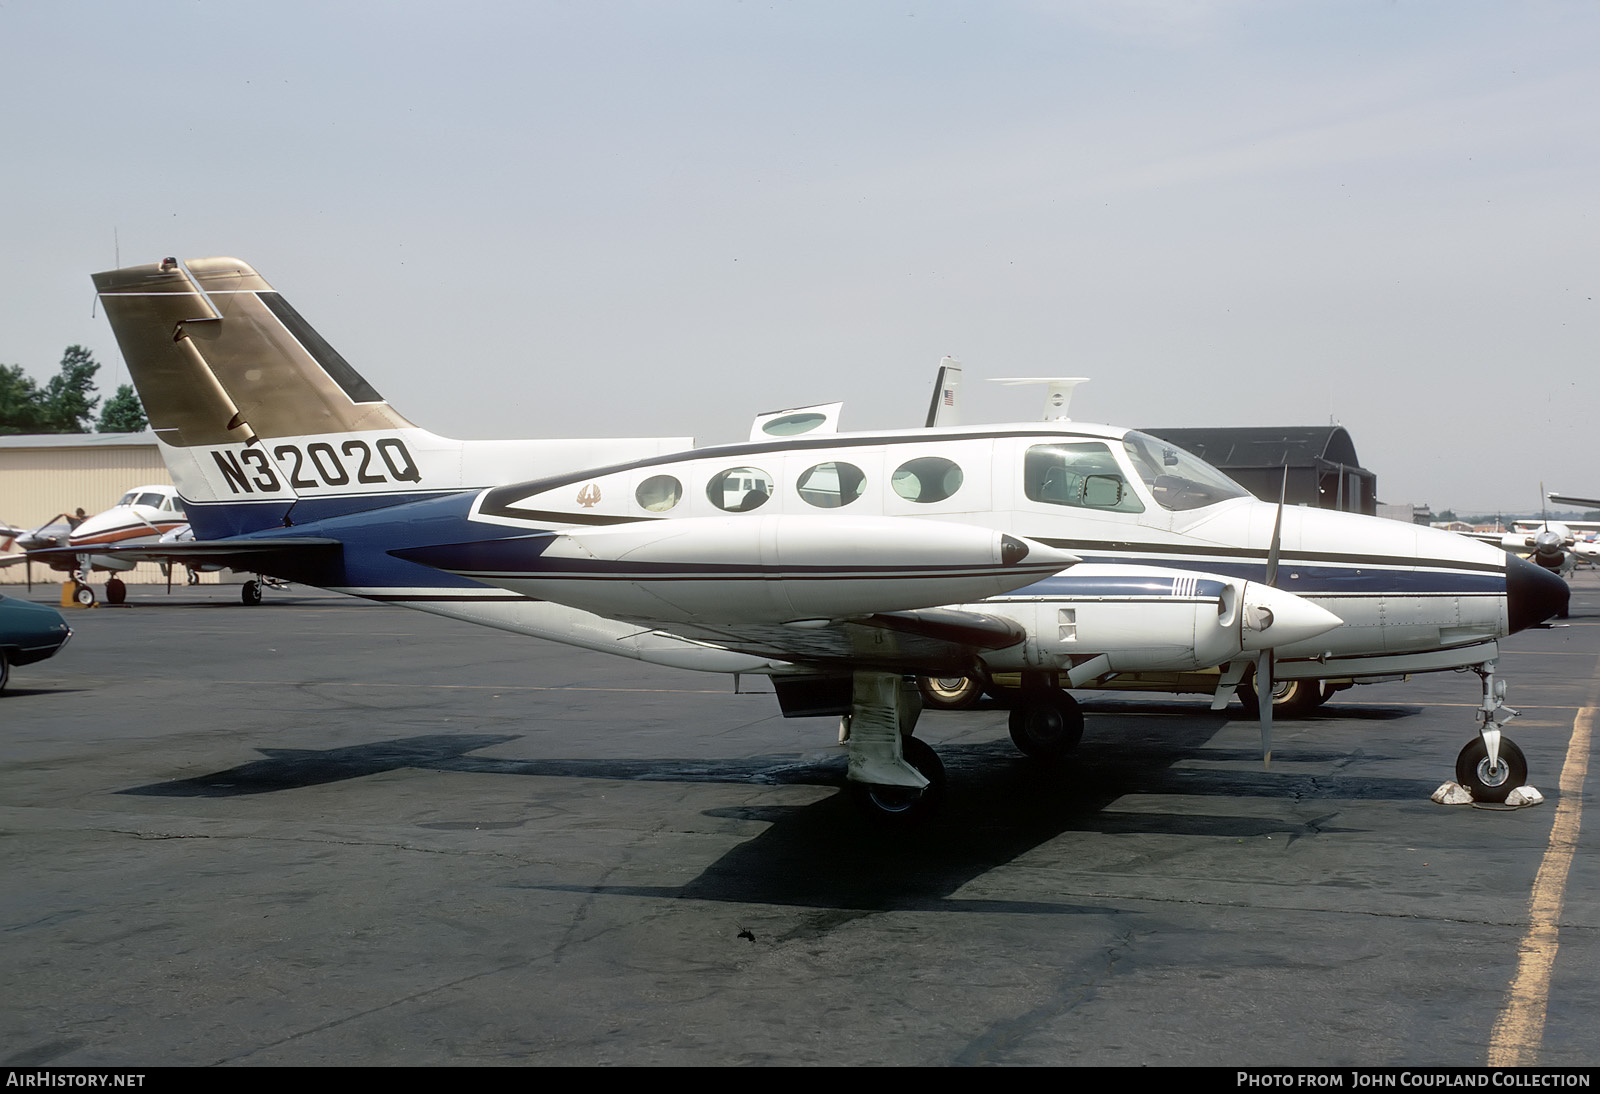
(209, 447)
(942, 408)
(264, 425)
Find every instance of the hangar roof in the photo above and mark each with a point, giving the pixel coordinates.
(1267, 445)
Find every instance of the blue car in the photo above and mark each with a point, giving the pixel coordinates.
(28, 632)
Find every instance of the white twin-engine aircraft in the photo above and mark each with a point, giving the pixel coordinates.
(145, 514)
(842, 565)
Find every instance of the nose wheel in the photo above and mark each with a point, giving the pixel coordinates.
(1491, 766)
(1491, 782)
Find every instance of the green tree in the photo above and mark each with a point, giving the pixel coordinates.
(21, 406)
(123, 413)
(68, 399)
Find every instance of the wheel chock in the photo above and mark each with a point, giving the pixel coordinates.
(1453, 793)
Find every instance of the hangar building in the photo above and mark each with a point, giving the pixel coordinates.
(1323, 468)
(45, 475)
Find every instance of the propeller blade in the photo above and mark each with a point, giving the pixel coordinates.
(1277, 532)
(1264, 658)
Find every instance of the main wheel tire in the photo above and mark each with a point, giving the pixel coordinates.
(1491, 784)
(84, 595)
(949, 692)
(1046, 725)
(899, 806)
(1290, 698)
(116, 591)
(250, 593)
(5, 671)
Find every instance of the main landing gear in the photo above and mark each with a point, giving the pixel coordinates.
(250, 592)
(897, 780)
(1046, 722)
(894, 778)
(1491, 766)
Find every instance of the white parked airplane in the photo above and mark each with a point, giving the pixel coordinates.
(143, 515)
(840, 564)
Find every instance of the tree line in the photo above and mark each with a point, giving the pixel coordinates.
(66, 402)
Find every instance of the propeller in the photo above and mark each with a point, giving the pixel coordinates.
(1264, 659)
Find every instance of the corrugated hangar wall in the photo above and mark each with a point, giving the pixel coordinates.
(43, 476)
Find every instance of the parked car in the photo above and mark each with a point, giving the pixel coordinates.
(29, 632)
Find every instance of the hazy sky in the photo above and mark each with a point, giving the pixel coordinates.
(591, 218)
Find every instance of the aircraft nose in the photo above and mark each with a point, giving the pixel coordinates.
(1533, 594)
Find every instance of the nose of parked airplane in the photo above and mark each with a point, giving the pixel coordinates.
(1533, 594)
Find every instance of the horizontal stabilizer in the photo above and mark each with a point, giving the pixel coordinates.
(255, 555)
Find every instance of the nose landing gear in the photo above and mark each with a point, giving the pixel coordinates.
(1491, 766)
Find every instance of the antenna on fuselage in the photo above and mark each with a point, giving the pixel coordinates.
(1057, 396)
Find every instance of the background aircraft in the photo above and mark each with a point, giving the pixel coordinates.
(143, 515)
(839, 564)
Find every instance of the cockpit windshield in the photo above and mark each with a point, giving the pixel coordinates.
(1178, 479)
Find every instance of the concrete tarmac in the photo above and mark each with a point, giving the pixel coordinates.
(322, 831)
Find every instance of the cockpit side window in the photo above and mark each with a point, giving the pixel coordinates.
(1178, 479)
(153, 500)
(1085, 476)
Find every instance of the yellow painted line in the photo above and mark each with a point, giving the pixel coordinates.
(1424, 703)
(1519, 1031)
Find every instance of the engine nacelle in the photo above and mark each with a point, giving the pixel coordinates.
(1145, 618)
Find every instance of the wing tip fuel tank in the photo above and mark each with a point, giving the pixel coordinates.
(766, 569)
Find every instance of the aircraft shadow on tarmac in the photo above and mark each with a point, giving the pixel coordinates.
(823, 854)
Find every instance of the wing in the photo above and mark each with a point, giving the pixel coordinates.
(927, 640)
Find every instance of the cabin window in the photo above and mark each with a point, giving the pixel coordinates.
(830, 485)
(926, 479)
(659, 493)
(177, 506)
(740, 489)
(1085, 476)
